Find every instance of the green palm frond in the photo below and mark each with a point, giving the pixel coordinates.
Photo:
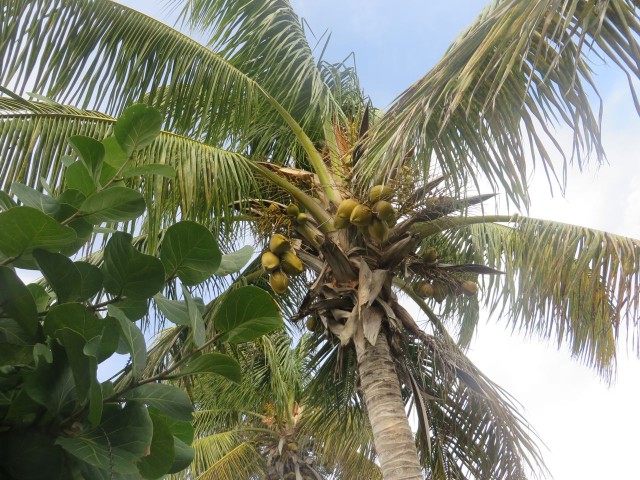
(475, 428)
(501, 88)
(208, 183)
(343, 438)
(216, 460)
(563, 282)
(266, 41)
(100, 53)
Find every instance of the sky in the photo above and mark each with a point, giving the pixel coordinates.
(590, 429)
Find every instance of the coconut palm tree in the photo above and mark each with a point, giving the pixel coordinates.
(270, 427)
(375, 205)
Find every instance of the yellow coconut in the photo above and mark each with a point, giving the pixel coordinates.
(279, 282)
(378, 230)
(385, 212)
(291, 264)
(344, 213)
(469, 288)
(293, 210)
(361, 216)
(381, 192)
(425, 290)
(302, 218)
(270, 261)
(279, 244)
(440, 291)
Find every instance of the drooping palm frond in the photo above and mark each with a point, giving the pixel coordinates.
(98, 53)
(266, 41)
(209, 180)
(474, 427)
(563, 282)
(520, 69)
(216, 461)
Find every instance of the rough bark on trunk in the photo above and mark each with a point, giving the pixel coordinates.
(392, 435)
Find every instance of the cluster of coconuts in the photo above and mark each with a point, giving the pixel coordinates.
(377, 215)
(439, 290)
(281, 262)
(296, 215)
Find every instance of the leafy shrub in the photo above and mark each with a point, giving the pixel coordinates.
(56, 419)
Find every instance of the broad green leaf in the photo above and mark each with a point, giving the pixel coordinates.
(198, 331)
(133, 308)
(168, 399)
(114, 159)
(16, 301)
(23, 229)
(162, 455)
(233, 262)
(134, 339)
(189, 251)
(35, 199)
(92, 350)
(184, 455)
(30, 454)
(78, 177)
(61, 273)
(91, 152)
(12, 333)
(83, 229)
(181, 429)
(159, 169)
(117, 443)
(175, 311)
(115, 204)
(247, 313)
(83, 366)
(91, 280)
(73, 316)
(137, 127)
(40, 295)
(212, 363)
(72, 197)
(52, 386)
(128, 272)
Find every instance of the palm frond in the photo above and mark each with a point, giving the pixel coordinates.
(209, 180)
(475, 428)
(500, 89)
(100, 53)
(564, 282)
(266, 41)
(218, 459)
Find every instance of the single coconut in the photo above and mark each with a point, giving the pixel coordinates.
(293, 210)
(361, 216)
(291, 264)
(279, 282)
(279, 244)
(302, 218)
(344, 213)
(270, 261)
(425, 290)
(385, 212)
(469, 288)
(381, 192)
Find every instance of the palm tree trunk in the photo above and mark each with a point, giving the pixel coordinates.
(392, 435)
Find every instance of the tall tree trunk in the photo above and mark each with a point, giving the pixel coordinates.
(392, 435)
